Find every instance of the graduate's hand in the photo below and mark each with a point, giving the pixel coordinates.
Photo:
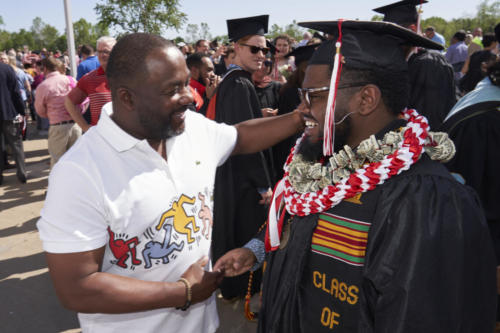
(236, 262)
(266, 197)
(203, 283)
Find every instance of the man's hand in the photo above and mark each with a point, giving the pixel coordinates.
(211, 85)
(203, 283)
(236, 262)
(268, 112)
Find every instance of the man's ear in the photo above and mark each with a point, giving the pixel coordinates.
(125, 97)
(368, 99)
(195, 72)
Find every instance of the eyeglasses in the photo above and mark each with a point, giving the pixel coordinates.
(304, 92)
(255, 49)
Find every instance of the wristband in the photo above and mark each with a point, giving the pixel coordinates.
(188, 294)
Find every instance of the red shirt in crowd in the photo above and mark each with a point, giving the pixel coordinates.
(94, 85)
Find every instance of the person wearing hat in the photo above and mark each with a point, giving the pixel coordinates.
(289, 100)
(367, 232)
(127, 219)
(242, 183)
(432, 84)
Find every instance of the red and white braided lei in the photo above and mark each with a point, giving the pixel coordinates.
(362, 180)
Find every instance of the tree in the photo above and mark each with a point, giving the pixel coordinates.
(192, 33)
(87, 33)
(205, 31)
(153, 16)
(1, 20)
(292, 30)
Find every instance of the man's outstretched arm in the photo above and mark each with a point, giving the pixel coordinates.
(258, 134)
(81, 286)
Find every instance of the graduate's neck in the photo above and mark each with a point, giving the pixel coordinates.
(362, 127)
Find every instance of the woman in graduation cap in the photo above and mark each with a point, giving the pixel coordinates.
(375, 234)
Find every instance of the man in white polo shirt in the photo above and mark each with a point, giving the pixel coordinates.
(127, 220)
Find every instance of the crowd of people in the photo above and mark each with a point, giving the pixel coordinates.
(192, 165)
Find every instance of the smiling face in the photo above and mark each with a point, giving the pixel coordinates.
(245, 58)
(161, 95)
(317, 76)
(282, 47)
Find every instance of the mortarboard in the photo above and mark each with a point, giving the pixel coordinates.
(401, 12)
(241, 27)
(361, 45)
(302, 53)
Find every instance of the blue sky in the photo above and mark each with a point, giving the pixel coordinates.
(17, 15)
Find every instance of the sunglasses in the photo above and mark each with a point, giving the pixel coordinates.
(255, 49)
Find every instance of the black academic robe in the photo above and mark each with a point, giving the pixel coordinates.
(269, 96)
(432, 86)
(237, 212)
(412, 255)
(289, 101)
(475, 131)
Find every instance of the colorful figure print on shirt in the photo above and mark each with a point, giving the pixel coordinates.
(205, 214)
(157, 250)
(180, 219)
(121, 248)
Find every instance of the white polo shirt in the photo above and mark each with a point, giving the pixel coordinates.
(154, 216)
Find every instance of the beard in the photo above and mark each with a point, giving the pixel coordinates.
(312, 151)
(158, 130)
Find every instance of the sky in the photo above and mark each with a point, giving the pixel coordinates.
(215, 13)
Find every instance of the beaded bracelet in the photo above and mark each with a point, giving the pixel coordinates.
(188, 294)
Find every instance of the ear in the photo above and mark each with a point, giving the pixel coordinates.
(368, 99)
(125, 97)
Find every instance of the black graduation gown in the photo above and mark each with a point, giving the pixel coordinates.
(237, 212)
(269, 96)
(432, 86)
(412, 255)
(288, 102)
(476, 134)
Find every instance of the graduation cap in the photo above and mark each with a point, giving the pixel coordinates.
(241, 27)
(302, 53)
(401, 12)
(361, 45)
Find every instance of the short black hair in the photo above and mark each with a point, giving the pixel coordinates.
(393, 85)
(489, 39)
(195, 59)
(127, 59)
(459, 35)
(199, 41)
(86, 49)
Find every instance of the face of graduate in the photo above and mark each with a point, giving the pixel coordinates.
(317, 76)
(246, 59)
(162, 95)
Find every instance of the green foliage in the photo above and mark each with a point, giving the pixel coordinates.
(377, 18)
(292, 30)
(488, 15)
(1, 20)
(153, 16)
(195, 32)
(87, 33)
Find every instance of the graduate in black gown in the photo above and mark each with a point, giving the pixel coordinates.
(289, 100)
(432, 87)
(242, 182)
(411, 253)
(474, 127)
